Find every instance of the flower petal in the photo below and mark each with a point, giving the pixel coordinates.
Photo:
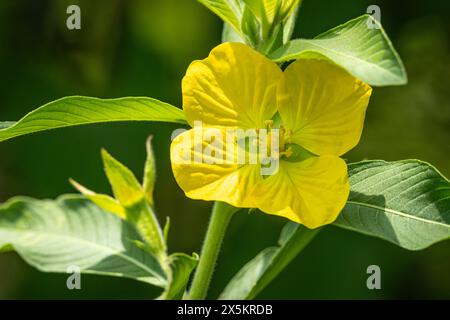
(235, 86)
(311, 192)
(202, 170)
(323, 105)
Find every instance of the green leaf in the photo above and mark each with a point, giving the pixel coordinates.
(288, 7)
(104, 201)
(127, 190)
(72, 231)
(265, 11)
(289, 24)
(367, 53)
(260, 271)
(405, 202)
(6, 124)
(250, 27)
(275, 40)
(181, 266)
(166, 229)
(131, 196)
(73, 111)
(149, 172)
(230, 35)
(227, 10)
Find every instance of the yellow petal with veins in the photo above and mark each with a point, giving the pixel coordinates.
(323, 105)
(235, 86)
(311, 192)
(205, 169)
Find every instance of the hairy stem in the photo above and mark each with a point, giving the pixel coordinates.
(220, 219)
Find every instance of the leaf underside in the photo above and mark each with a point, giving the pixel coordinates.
(405, 202)
(72, 231)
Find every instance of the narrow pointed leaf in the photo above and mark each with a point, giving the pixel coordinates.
(405, 202)
(250, 27)
(289, 24)
(166, 229)
(365, 52)
(127, 190)
(227, 10)
(130, 195)
(265, 10)
(72, 231)
(74, 111)
(149, 172)
(104, 201)
(288, 7)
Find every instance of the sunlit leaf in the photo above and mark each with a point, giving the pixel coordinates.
(365, 52)
(73, 111)
(149, 172)
(227, 10)
(130, 194)
(72, 231)
(104, 201)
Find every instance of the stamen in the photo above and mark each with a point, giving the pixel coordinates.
(282, 138)
(269, 124)
(288, 135)
(287, 153)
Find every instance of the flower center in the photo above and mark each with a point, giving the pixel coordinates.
(283, 136)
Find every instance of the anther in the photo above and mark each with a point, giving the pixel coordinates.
(269, 124)
(287, 153)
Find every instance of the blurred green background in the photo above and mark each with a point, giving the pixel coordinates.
(142, 47)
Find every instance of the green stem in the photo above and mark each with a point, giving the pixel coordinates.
(220, 218)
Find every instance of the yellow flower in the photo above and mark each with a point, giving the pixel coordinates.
(321, 108)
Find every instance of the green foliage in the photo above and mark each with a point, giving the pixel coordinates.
(289, 23)
(137, 207)
(73, 111)
(149, 172)
(263, 24)
(228, 35)
(104, 201)
(404, 202)
(124, 184)
(131, 196)
(250, 27)
(261, 270)
(52, 235)
(266, 10)
(72, 231)
(227, 10)
(181, 266)
(365, 52)
(130, 203)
